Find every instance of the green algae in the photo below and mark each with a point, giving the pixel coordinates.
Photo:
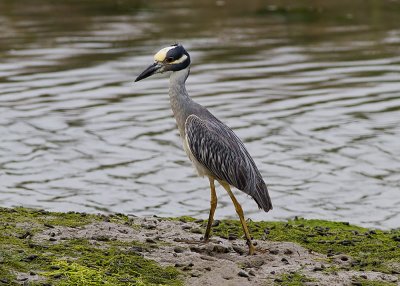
(72, 261)
(292, 279)
(375, 250)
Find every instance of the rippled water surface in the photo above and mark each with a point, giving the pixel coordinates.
(313, 91)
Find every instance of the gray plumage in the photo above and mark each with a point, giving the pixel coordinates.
(213, 147)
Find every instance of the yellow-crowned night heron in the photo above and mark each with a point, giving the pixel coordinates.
(216, 152)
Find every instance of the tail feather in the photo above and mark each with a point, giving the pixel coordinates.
(261, 196)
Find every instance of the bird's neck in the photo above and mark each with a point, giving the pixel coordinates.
(179, 98)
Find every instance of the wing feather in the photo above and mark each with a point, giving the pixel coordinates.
(217, 148)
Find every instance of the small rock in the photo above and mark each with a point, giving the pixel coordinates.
(252, 273)
(24, 235)
(196, 249)
(274, 251)
(278, 280)
(100, 238)
(179, 265)
(29, 258)
(150, 240)
(364, 276)
(347, 242)
(239, 250)
(208, 268)
(288, 251)
(232, 236)
(148, 226)
(317, 268)
(52, 239)
(184, 227)
(220, 249)
(136, 249)
(55, 267)
(267, 231)
(243, 274)
(272, 272)
(191, 264)
(179, 249)
(285, 261)
(198, 220)
(216, 223)
(48, 225)
(396, 238)
(344, 258)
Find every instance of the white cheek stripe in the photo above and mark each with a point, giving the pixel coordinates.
(161, 54)
(180, 60)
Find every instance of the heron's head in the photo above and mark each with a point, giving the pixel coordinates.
(172, 58)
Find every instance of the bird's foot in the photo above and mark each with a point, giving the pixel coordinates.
(251, 248)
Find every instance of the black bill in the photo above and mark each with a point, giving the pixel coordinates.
(149, 71)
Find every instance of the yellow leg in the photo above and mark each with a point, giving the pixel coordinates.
(239, 211)
(212, 209)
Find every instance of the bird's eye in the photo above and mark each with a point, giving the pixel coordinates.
(169, 60)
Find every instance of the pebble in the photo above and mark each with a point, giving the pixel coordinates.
(274, 251)
(238, 250)
(243, 274)
(285, 261)
(136, 249)
(150, 240)
(179, 249)
(208, 268)
(148, 226)
(216, 223)
(232, 236)
(220, 249)
(29, 258)
(24, 235)
(288, 252)
(55, 267)
(252, 273)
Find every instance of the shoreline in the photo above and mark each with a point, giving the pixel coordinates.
(38, 247)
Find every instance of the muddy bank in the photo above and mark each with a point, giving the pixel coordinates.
(43, 248)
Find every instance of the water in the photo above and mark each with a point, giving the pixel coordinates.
(312, 90)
